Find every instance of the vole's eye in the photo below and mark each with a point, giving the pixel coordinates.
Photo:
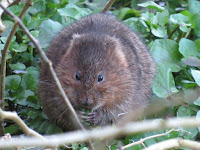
(78, 76)
(100, 78)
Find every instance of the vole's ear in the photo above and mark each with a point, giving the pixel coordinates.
(116, 49)
(76, 36)
(73, 42)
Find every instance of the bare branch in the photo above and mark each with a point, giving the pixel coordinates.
(14, 117)
(150, 137)
(3, 58)
(103, 133)
(46, 60)
(72, 112)
(174, 143)
(108, 6)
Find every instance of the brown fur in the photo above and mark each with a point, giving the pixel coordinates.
(97, 45)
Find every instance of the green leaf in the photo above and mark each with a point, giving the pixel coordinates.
(194, 6)
(122, 12)
(153, 5)
(159, 32)
(190, 96)
(21, 48)
(192, 133)
(163, 17)
(12, 129)
(33, 101)
(188, 48)
(165, 51)
(197, 42)
(47, 31)
(191, 61)
(196, 76)
(16, 9)
(163, 85)
(34, 33)
(40, 5)
(179, 19)
(29, 81)
(17, 66)
(197, 102)
(34, 24)
(74, 11)
(21, 99)
(19, 95)
(196, 20)
(147, 17)
(52, 129)
(198, 117)
(135, 24)
(84, 148)
(184, 111)
(12, 82)
(188, 14)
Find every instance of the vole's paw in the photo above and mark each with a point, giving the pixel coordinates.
(91, 118)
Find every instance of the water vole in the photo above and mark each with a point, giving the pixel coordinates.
(102, 65)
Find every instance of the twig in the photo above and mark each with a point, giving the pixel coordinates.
(3, 59)
(187, 34)
(14, 117)
(16, 2)
(108, 6)
(170, 36)
(103, 133)
(174, 143)
(141, 141)
(72, 112)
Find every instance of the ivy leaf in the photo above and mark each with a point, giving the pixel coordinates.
(17, 66)
(184, 111)
(48, 30)
(153, 5)
(163, 17)
(12, 82)
(12, 129)
(188, 48)
(193, 6)
(74, 11)
(191, 61)
(33, 101)
(34, 24)
(165, 51)
(135, 24)
(198, 117)
(122, 12)
(196, 20)
(197, 102)
(159, 32)
(20, 48)
(196, 76)
(163, 85)
(40, 5)
(181, 20)
(29, 81)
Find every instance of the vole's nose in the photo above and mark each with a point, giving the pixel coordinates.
(89, 101)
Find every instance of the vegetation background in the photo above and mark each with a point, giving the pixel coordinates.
(171, 29)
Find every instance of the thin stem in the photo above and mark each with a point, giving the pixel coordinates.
(175, 29)
(108, 6)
